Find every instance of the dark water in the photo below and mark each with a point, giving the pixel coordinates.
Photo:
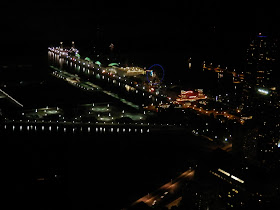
(58, 171)
(94, 171)
(51, 91)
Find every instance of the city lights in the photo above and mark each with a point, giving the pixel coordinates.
(219, 119)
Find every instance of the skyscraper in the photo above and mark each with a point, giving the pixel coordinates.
(261, 61)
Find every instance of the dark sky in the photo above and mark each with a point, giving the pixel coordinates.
(156, 23)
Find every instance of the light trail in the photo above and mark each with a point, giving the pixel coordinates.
(169, 188)
(6, 94)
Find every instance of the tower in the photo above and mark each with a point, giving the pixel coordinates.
(261, 57)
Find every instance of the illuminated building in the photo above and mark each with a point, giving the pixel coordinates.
(130, 71)
(262, 144)
(261, 59)
(261, 140)
(230, 178)
(235, 191)
(190, 96)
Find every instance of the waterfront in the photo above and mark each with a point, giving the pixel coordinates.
(69, 140)
(65, 169)
(50, 91)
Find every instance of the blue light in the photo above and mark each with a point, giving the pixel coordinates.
(161, 69)
(262, 36)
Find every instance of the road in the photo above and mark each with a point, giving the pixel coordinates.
(214, 112)
(166, 191)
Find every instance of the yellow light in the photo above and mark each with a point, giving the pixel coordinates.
(224, 172)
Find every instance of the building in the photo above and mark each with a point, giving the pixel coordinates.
(261, 60)
(191, 96)
(126, 71)
(260, 141)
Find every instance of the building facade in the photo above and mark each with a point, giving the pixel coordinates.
(261, 60)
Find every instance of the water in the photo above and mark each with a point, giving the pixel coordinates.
(96, 171)
(65, 170)
(52, 91)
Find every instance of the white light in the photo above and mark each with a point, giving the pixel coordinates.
(262, 91)
(237, 179)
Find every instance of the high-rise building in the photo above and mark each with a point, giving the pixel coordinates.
(260, 143)
(261, 60)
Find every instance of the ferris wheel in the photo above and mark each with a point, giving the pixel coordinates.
(155, 74)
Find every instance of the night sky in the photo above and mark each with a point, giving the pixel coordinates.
(142, 24)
